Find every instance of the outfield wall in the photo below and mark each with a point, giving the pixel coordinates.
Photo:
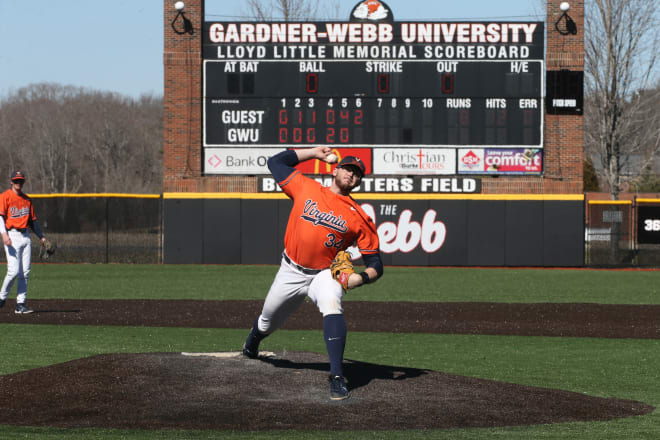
(438, 230)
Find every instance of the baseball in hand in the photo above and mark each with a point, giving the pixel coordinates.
(331, 158)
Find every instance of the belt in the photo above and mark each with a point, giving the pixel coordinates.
(300, 268)
(22, 230)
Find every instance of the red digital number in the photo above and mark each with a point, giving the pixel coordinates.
(297, 135)
(283, 117)
(447, 83)
(501, 118)
(332, 132)
(311, 135)
(344, 114)
(312, 82)
(330, 136)
(358, 117)
(284, 135)
(383, 83)
(496, 118)
(330, 116)
(343, 135)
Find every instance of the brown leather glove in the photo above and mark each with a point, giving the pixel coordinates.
(342, 268)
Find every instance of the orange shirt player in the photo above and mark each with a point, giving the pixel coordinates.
(323, 221)
(16, 220)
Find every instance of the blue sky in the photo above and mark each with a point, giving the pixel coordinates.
(117, 46)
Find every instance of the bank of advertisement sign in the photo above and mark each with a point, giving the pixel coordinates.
(238, 161)
(500, 161)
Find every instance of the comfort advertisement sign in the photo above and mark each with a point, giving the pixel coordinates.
(500, 161)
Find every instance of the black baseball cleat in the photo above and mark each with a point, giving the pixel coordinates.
(252, 354)
(22, 309)
(2, 303)
(338, 390)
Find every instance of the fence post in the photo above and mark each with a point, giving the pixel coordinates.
(107, 230)
(162, 229)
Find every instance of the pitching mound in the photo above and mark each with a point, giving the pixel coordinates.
(287, 391)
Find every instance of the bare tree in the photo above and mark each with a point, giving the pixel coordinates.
(291, 10)
(621, 49)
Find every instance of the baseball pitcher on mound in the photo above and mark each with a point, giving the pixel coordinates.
(323, 223)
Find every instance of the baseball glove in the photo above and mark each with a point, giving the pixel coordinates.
(342, 268)
(47, 249)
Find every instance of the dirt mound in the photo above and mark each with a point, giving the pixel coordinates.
(288, 391)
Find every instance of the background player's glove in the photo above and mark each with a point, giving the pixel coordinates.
(47, 249)
(342, 268)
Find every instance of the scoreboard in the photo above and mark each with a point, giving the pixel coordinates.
(469, 95)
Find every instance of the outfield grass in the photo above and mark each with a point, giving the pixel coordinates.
(124, 281)
(623, 368)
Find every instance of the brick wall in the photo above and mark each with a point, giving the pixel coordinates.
(182, 143)
(182, 137)
(564, 135)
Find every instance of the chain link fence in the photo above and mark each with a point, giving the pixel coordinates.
(620, 233)
(100, 228)
(609, 234)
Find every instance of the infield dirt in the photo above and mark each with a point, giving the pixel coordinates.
(290, 390)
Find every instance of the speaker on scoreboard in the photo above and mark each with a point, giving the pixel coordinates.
(564, 92)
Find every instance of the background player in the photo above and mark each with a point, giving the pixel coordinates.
(16, 219)
(323, 221)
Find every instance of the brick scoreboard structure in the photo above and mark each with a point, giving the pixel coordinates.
(564, 135)
(514, 221)
(182, 100)
(182, 138)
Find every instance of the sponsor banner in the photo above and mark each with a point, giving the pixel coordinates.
(414, 161)
(316, 166)
(238, 161)
(470, 160)
(396, 184)
(500, 161)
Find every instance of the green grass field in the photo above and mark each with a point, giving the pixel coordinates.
(624, 368)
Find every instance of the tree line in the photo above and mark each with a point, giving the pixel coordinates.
(74, 140)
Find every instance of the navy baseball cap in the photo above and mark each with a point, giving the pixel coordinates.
(353, 161)
(17, 175)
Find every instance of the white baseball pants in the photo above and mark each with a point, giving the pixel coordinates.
(19, 255)
(288, 291)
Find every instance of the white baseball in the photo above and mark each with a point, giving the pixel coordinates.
(331, 158)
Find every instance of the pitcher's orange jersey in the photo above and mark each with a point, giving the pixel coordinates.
(322, 223)
(16, 209)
